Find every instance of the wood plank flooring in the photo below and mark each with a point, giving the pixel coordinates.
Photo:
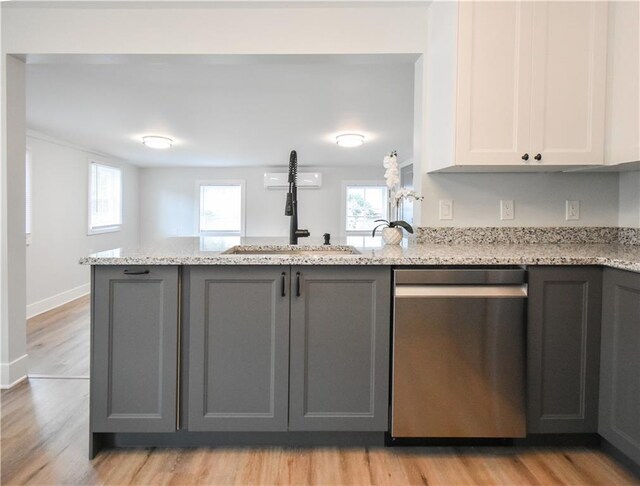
(44, 440)
(58, 340)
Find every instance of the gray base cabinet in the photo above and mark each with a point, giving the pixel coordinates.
(620, 370)
(340, 325)
(563, 355)
(134, 349)
(281, 348)
(238, 348)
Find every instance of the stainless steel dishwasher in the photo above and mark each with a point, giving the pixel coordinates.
(459, 353)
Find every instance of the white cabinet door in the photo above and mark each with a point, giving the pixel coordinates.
(622, 135)
(494, 74)
(568, 82)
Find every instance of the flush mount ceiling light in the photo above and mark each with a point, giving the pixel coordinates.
(350, 140)
(156, 142)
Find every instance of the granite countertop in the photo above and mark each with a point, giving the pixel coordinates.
(208, 251)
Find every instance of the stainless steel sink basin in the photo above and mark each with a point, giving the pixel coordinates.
(287, 250)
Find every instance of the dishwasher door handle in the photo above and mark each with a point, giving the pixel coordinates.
(465, 291)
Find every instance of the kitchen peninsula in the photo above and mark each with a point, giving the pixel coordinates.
(201, 341)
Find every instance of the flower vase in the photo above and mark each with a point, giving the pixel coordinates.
(392, 236)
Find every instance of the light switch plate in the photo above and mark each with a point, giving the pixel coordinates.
(507, 209)
(446, 209)
(572, 210)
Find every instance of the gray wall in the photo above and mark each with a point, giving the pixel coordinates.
(169, 203)
(168, 199)
(59, 222)
(539, 198)
(629, 203)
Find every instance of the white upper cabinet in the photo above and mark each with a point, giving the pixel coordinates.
(568, 82)
(494, 88)
(530, 85)
(622, 136)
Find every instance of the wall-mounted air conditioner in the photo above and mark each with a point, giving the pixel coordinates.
(280, 180)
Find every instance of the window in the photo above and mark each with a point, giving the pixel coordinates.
(406, 182)
(28, 196)
(105, 198)
(364, 203)
(221, 207)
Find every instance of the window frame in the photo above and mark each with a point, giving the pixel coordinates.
(198, 206)
(343, 218)
(98, 230)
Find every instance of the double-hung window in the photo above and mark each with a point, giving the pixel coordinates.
(105, 198)
(221, 208)
(364, 203)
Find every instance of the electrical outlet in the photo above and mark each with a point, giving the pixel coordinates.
(446, 209)
(507, 209)
(572, 210)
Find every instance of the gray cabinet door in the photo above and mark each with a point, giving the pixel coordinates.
(340, 326)
(620, 369)
(238, 348)
(563, 355)
(134, 349)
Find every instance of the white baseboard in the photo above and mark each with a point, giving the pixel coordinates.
(54, 301)
(13, 373)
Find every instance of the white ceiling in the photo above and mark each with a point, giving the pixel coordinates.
(227, 114)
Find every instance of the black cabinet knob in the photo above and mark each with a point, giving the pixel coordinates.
(538, 157)
(525, 157)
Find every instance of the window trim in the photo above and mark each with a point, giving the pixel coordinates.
(243, 205)
(343, 212)
(98, 230)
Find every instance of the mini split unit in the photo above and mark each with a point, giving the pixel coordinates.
(280, 180)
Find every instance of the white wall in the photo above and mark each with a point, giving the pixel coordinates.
(13, 342)
(539, 198)
(216, 29)
(629, 205)
(59, 222)
(244, 30)
(168, 200)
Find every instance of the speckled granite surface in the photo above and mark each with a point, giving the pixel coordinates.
(518, 235)
(629, 236)
(200, 251)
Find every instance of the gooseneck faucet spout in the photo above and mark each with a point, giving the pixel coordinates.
(291, 205)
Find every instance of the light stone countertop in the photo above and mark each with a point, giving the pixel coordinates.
(208, 251)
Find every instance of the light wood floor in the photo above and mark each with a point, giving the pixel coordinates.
(44, 440)
(58, 340)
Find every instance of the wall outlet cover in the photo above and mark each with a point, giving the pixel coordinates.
(572, 210)
(507, 209)
(446, 209)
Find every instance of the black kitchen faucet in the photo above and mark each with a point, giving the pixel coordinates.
(291, 206)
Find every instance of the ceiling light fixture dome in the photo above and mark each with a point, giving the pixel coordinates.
(350, 140)
(156, 142)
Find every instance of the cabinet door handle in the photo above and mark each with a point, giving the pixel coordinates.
(525, 157)
(136, 272)
(284, 281)
(297, 284)
(538, 157)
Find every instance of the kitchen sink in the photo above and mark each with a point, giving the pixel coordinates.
(288, 250)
